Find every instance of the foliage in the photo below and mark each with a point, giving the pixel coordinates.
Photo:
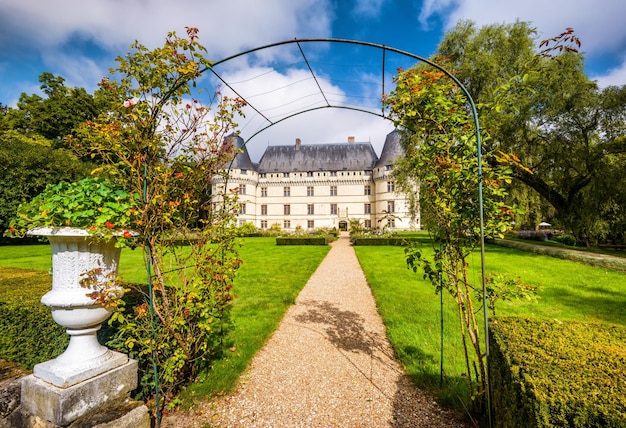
(24, 322)
(162, 143)
(549, 373)
(567, 134)
(27, 166)
(500, 287)
(565, 240)
(55, 115)
(302, 240)
(441, 154)
(94, 204)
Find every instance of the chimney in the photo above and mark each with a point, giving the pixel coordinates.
(351, 139)
(298, 142)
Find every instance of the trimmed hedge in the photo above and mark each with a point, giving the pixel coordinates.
(394, 241)
(549, 373)
(303, 240)
(28, 334)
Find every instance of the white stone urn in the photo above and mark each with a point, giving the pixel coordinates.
(74, 252)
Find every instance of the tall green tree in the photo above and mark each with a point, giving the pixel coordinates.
(567, 133)
(56, 114)
(27, 166)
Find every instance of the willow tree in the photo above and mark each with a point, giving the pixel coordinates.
(569, 135)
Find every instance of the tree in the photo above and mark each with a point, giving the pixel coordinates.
(57, 114)
(27, 165)
(566, 132)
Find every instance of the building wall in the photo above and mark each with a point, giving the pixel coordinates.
(266, 196)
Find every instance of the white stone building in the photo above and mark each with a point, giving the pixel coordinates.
(319, 185)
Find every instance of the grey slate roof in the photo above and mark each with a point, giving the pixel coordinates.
(318, 157)
(391, 150)
(242, 160)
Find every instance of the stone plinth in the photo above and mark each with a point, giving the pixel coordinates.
(61, 406)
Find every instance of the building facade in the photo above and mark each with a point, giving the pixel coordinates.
(319, 186)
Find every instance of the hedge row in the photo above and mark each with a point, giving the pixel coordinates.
(599, 260)
(394, 241)
(28, 334)
(549, 373)
(303, 240)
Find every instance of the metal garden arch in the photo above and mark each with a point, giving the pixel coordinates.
(384, 49)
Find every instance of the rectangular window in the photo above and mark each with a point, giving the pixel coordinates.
(242, 189)
(367, 190)
(310, 191)
(391, 207)
(242, 208)
(310, 224)
(287, 209)
(241, 222)
(333, 209)
(309, 174)
(263, 192)
(286, 224)
(388, 167)
(367, 224)
(286, 191)
(367, 208)
(390, 186)
(286, 174)
(333, 173)
(263, 224)
(263, 175)
(263, 209)
(391, 223)
(244, 171)
(333, 190)
(310, 209)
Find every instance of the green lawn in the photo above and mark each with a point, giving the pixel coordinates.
(272, 276)
(268, 282)
(411, 309)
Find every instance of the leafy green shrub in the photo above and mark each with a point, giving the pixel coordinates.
(23, 330)
(373, 240)
(565, 240)
(26, 324)
(95, 204)
(547, 373)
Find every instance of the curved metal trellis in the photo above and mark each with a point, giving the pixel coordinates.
(327, 104)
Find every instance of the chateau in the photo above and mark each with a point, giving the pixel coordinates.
(319, 186)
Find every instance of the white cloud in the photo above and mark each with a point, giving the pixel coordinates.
(277, 95)
(614, 77)
(226, 27)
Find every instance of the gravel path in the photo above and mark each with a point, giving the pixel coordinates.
(328, 364)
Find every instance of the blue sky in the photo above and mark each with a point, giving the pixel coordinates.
(79, 40)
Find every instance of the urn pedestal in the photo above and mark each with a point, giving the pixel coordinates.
(86, 375)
